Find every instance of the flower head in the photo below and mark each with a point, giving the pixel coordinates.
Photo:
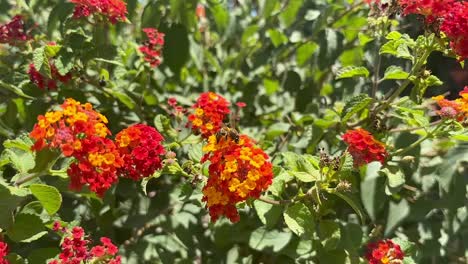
(80, 132)
(238, 171)
(75, 249)
(13, 31)
(455, 109)
(384, 252)
(209, 112)
(152, 48)
(114, 10)
(364, 147)
(3, 253)
(42, 81)
(141, 149)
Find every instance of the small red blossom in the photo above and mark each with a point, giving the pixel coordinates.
(3, 253)
(13, 32)
(241, 104)
(384, 252)
(209, 112)
(152, 48)
(75, 249)
(114, 10)
(43, 82)
(200, 11)
(364, 147)
(238, 171)
(141, 150)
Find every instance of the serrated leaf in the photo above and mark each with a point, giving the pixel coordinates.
(305, 176)
(49, 196)
(26, 228)
(267, 213)
(352, 71)
(395, 177)
(394, 35)
(299, 219)
(263, 239)
(353, 203)
(38, 58)
(355, 105)
(395, 73)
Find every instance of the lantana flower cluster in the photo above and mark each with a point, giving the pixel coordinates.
(238, 171)
(455, 109)
(210, 111)
(76, 248)
(13, 31)
(384, 252)
(43, 82)
(141, 149)
(364, 147)
(152, 47)
(114, 10)
(450, 15)
(80, 132)
(3, 253)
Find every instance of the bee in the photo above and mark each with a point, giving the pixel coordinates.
(227, 132)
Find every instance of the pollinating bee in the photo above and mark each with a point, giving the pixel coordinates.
(229, 131)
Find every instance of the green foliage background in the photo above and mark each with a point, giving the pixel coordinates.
(290, 62)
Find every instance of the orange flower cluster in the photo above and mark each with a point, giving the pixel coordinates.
(238, 171)
(80, 132)
(457, 109)
(210, 111)
(141, 149)
(364, 147)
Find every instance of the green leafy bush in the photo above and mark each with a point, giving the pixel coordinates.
(231, 132)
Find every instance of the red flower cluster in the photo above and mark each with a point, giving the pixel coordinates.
(75, 248)
(114, 10)
(3, 253)
(456, 109)
(80, 132)
(451, 15)
(238, 171)
(43, 81)
(141, 149)
(153, 46)
(13, 31)
(384, 252)
(210, 111)
(364, 147)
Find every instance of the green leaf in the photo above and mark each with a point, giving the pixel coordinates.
(14, 89)
(395, 178)
(289, 14)
(262, 239)
(394, 35)
(353, 203)
(330, 234)
(299, 219)
(305, 176)
(122, 97)
(352, 71)
(268, 6)
(355, 105)
(176, 50)
(395, 73)
(267, 213)
(39, 57)
(22, 161)
(49, 196)
(304, 52)
(271, 86)
(277, 38)
(396, 214)
(221, 16)
(41, 255)
(9, 200)
(26, 228)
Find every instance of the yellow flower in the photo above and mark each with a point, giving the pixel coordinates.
(197, 122)
(199, 112)
(53, 117)
(209, 126)
(101, 130)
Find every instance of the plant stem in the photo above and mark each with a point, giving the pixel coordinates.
(28, 177)
(274, 202)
